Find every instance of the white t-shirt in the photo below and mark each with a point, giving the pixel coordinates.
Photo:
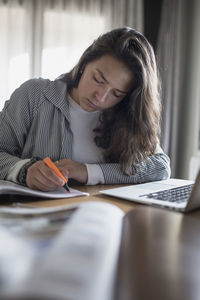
(82, 123)
(84, 149)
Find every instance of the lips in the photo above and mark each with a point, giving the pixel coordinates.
(91, 104)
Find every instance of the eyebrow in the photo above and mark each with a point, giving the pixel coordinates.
(103, 77)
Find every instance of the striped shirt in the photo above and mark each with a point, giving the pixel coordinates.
(35, 122)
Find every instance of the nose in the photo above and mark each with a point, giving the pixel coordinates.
(102, 94)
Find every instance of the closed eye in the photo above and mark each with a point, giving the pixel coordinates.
(117, 95)
(98, 80)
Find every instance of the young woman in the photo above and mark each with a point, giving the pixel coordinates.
(99, 123)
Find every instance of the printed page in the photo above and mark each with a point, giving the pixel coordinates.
(35, 211)
(8, 187)
(81, 263)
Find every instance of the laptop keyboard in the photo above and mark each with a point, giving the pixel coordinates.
(179, 194)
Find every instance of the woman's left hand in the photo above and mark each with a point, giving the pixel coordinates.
(73, 169)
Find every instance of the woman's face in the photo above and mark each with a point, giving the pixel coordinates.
(103, 84)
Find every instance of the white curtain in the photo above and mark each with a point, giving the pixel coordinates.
(14, 45)
(179, 60)
(46, 38)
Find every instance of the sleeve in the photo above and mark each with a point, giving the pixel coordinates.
(15, 120)
(14, 171)
(155, 167)
(95, 174)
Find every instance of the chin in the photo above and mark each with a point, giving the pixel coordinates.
(86, 108)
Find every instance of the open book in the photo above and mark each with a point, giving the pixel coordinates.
(8, 187)
(101, 253)
(79, 263)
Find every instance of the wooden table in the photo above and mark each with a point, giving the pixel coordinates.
(94, 196)
(159, 256)
(160, 249)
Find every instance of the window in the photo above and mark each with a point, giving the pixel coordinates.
(46, 38)
(69, 46)
(43, 38)
(14, 48)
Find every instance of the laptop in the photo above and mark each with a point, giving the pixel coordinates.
(177, 194)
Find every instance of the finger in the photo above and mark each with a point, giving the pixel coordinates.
(48, 183)
(50, 176)
(63, 162)
(64, 167)
(40, 176)
(37, 181)
(65, 171)
(37, 184)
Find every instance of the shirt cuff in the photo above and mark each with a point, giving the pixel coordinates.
(14, 170)
(95, 174)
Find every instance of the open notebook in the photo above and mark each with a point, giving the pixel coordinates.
(11, 188)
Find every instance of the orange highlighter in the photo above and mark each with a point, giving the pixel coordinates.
(53, 167)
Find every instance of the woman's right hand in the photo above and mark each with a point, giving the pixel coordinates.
(40, 177)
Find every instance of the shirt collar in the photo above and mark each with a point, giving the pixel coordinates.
(56, 93)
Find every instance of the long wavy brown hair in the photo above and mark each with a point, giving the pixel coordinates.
(129, 131)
